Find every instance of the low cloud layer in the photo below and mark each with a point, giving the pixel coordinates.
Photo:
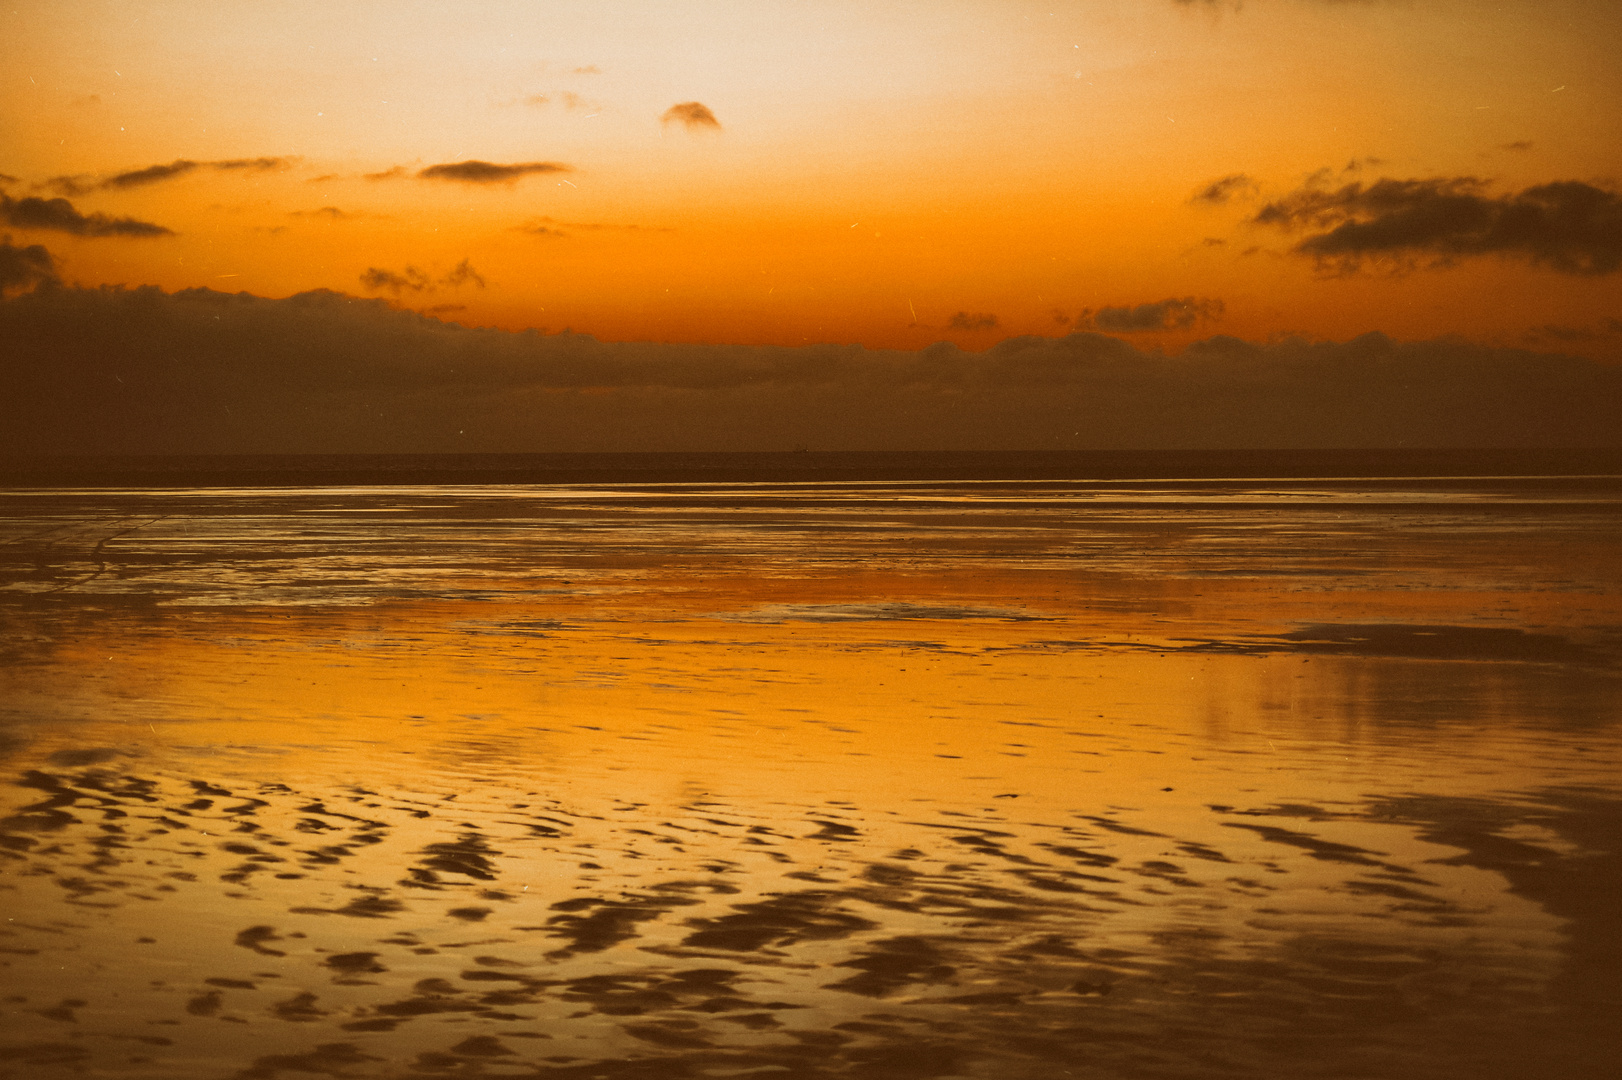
(691, 115)
(485, 172)
(58, 215)
(1173, 313)
(1568, 226)
(139, 370)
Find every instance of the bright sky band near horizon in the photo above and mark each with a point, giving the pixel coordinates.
(887, 173)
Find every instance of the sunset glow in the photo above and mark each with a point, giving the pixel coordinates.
(890, 174)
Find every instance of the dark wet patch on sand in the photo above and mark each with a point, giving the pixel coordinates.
(995, 946)
(1417, 641)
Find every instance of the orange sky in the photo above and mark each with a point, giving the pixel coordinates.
(875, 170)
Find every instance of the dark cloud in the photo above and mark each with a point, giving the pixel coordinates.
(396, 173)
(1567, 225)
(139, 370)
(691, 115)
(414, 280)
(25, 267)
(1516, 146)
(152, 174)
(1173, 313)
(979, 320)
(7, 178)
(485, 172)
(60, 216)
(1220, 191)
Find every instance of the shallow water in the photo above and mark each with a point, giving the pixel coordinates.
(911, 780)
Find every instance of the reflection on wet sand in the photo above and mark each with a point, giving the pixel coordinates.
(662, 799)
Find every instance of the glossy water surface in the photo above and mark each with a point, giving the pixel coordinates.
(868, 780)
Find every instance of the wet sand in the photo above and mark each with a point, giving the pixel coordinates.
(910, 780)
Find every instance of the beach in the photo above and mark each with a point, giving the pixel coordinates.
(1311, 776)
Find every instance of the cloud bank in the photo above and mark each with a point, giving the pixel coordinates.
(1568, 226)
(114, 370)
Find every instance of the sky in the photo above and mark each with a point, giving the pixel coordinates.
(1181, 177)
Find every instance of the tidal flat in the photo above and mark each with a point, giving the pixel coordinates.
(915, 780)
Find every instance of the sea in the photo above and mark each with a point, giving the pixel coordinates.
(806, 765)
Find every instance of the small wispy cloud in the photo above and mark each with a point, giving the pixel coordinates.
(258, 164)
(1224, 190)
(977, 320)
(486, 172)
(411, 279)
(157, 174)
(567, 98)
(548, 227)
(152, 174)
(1173, 313)
(376, 279)
(325, 213)
(461, 274)
(692, 115)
